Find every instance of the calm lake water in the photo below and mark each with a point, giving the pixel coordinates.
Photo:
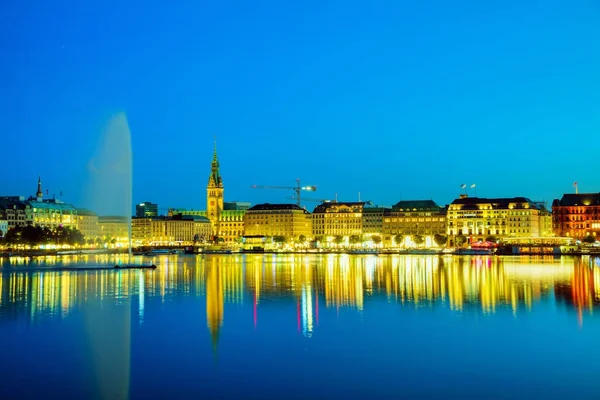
(301, 326)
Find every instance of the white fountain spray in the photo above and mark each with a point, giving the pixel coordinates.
(111, 173)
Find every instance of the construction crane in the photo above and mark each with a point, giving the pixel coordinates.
(297, 189)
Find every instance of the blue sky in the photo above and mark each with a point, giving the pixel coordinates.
(395, 100)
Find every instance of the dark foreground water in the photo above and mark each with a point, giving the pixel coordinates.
(301, 326)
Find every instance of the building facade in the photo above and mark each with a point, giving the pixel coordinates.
(338, 219)
(214, 194)
(415, 217)
(87, 223)
(114, 229)
(15, 211)
(577, 215)
(287, 220)
(372, 223)
(478, 218)
(146, 209)
(177, 230)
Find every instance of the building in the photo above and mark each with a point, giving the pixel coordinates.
(214, 194)
(176, 230)
(146, 209)
(415, 217)
(114, 229)
(87, 223)
(270, 220)
(577, 215)
(227, 218)
(478, 218)
(16, 211)
(3, 227)
(372, 223)
(53, 213)
(231, 222)
(338, 219)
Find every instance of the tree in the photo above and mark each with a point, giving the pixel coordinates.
(460, 240)
(279, 239)
(301, 239)
(491, 238)
(354, 239)
(338, 239)
(376, 239)
(418, 239)
(398, 239)
(589, 239)
(440, 240)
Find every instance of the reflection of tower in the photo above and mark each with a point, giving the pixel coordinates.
(214, 301)
(214, 194)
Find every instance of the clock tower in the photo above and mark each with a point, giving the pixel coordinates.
(214, 194)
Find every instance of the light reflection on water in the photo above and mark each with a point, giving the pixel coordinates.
(342, 281)
(257, 291)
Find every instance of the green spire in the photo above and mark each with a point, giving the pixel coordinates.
(215, 176)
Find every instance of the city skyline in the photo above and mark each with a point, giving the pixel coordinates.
(398, 103)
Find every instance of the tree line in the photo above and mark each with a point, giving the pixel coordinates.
(36, 235)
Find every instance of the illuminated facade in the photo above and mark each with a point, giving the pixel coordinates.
(476, 218)
(114, 227)
(287, 220)
(87, 223)
(373, 220)
(146, 209)
(338, 219)
(231, 221)
(214, 194)
(577, 215)
(180, 229)
(415, 217)
(15, 211)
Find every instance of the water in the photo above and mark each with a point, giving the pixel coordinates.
(300, 326)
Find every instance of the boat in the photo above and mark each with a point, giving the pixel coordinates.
(475, 252)
(135, 266)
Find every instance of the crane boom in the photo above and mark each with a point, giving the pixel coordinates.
(297, 189)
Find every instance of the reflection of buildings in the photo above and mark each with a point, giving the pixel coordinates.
(301, 284)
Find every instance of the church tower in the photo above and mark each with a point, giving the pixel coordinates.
(39, 193)
(214, 194)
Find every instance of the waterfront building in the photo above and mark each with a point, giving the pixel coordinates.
(114, 228)
(15, 211)
(87, 223)
(227, 218)
(3, 227)
(372, 223)
(176, 230)
(338, 219)
(231, 220)
(53, 213)
(415, 217)
(214, 194)
(270, 220)
(146, 209)
(478, 218)
(577, 215)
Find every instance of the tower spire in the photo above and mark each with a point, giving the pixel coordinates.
(39, 192)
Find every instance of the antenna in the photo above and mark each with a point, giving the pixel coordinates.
(359, 197)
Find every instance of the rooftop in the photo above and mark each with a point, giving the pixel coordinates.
(580, 199)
